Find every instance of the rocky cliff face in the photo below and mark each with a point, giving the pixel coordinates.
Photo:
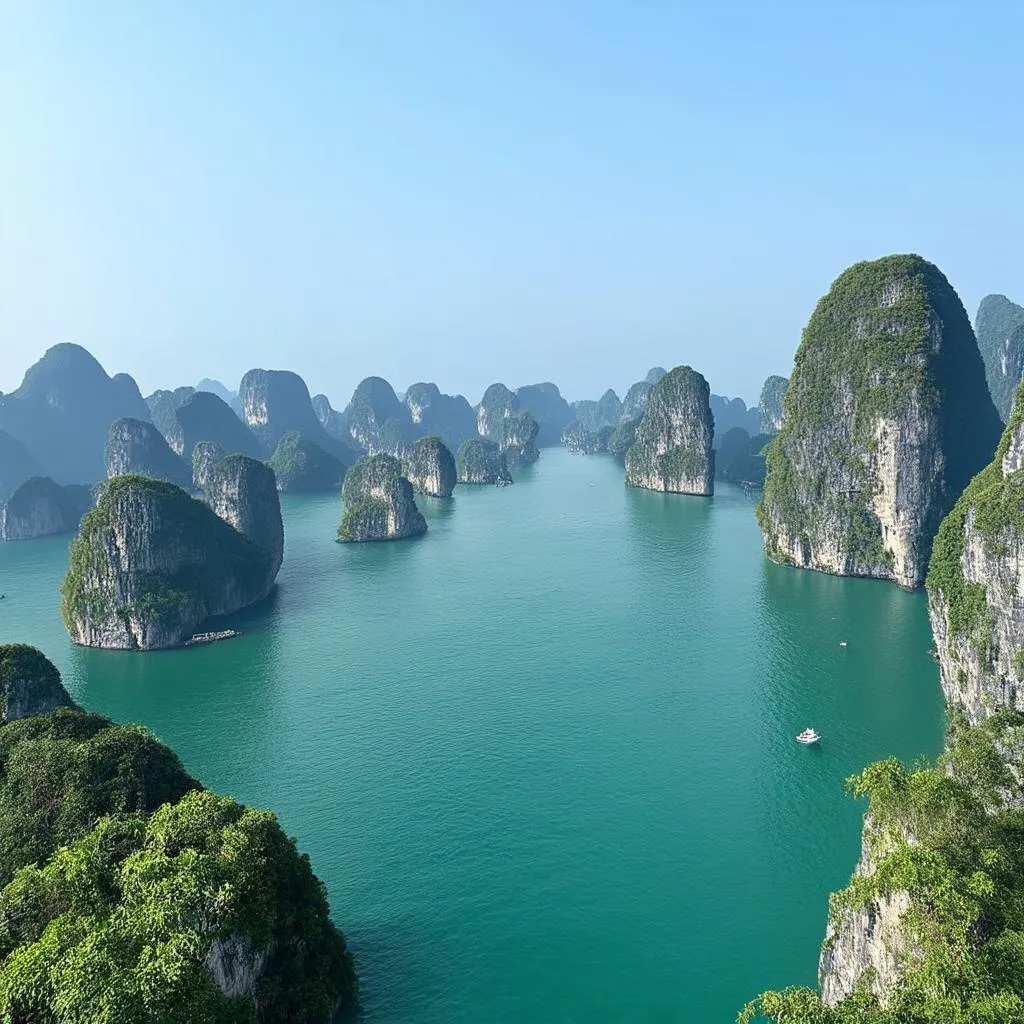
(449, 417)
(976, 585)
(17, 464)
(205, 456)
(544, 402)
(672, 451)
(137, 447)
(519, 439)
(592, 416)
(63, 409)
(277, 402)
(29, 684)
(430, 468)
(302, 466)
(162, 407)
(1000, 329)
(887, 417)
(330, 419)
(481, 462)
(497, 404)
(866, 945)
(215, 387)
(379, 502)
(580, 441)
(770, 405)
(376, 420)
(243, 492)
(204, 417)
(636, 397)
(40, 507)
(150, 565)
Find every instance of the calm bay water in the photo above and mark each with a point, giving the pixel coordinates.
(543, 758)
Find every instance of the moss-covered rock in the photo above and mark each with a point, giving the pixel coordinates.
(150, 565)
(130, 894)
(29, 685)
(495, 407)
(1000, 329)
(480, 461)
(376, 420)
(379, 502)
(243, 492)
(205, 417)
(430, 467)
(449, 417)
(301, 465)
(887, 418)
(519, 439)
(134, 446)
(770, 406)
(40, 508)
(672, 451)
(976, 582)
(63, 409)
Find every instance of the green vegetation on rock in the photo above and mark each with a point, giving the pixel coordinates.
(480, 461)
(376, 420)
(379, 502)
(134, 446)
(672, 450)
(1000, 329)
(770, 404)
(591, 416)
(430, 467)
(519, 439)
(150, 564)
(949, 839)
(887, 396)
(302, 465)
(129, 894)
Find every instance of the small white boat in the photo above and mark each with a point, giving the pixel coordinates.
(842, 643)
(807, 737)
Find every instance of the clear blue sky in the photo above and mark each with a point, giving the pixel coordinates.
(475, 191)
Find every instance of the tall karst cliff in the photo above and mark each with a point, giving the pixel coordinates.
(277, 402)
(379, 502)
(449, 417)
(430, 467)
(672, 450)
(497, 404)
(205, 417)
(150, 565)
(376, 421)
(887, 418)
(1000, 329)
(552, 413)
(41, 507)
(770, 405)
(134, 446)
(976, 585)
(63, 409)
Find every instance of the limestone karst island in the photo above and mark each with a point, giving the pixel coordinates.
(511, 514)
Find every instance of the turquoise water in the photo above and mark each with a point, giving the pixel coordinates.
(543, 758)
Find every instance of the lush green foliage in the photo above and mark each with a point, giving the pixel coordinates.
(998, 503)
(519, 436)
(60, 772)
(119, 924)
(177, 523)
(431, 460)
(301, 465)
(122, 881)
(951, 837)
(379, 502)
(869, 346)
(773, 391)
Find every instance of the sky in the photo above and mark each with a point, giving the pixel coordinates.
(469, 191)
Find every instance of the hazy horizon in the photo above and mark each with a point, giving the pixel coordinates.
(570, 193)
